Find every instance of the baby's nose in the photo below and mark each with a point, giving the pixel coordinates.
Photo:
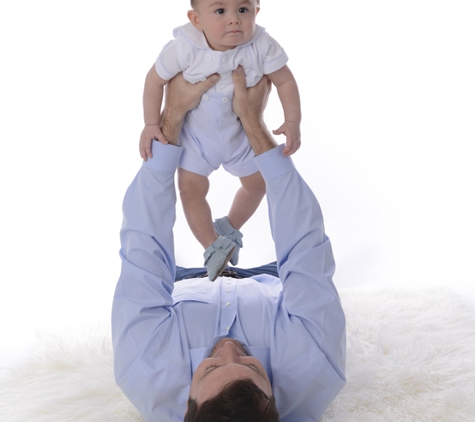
(234, 19)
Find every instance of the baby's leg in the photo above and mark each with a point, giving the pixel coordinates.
(193, 190)
(247, 199)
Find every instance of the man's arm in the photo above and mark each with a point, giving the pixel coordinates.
(249, 105)
(145, 330)
(304, 255)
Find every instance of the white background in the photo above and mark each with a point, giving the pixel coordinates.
(388, 99)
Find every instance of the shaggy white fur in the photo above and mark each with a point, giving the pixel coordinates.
(411, 357)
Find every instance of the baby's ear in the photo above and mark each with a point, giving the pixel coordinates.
(194, 18)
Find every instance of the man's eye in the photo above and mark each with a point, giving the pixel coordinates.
(220, 11)
(243, 10)
(210, 368)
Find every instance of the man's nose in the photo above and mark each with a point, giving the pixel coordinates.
(230, 353)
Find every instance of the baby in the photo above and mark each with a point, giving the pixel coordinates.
(221, 35)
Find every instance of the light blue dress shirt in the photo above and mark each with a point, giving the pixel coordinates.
(293, 324)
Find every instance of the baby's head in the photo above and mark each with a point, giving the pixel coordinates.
(225, 23)
(193, 3)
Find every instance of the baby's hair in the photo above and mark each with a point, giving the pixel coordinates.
(193, 2)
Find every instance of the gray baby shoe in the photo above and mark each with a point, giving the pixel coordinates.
(224, 228)
(217, 256)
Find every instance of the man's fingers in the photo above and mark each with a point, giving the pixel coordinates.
(264, 84)
(161, 138)
(264, 87)
(208, 83)
(239, 79)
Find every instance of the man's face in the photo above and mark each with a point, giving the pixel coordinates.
(225, 23)
(227, 362)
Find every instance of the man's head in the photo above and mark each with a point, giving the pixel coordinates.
(225, 23)
(239, 401)
(227, 369)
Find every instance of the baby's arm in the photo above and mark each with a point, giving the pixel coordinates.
(289, 96)
(152, 105)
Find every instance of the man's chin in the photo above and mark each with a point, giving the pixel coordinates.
(220, 343)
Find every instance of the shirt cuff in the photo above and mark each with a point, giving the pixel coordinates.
(274, 163)
(165, 157)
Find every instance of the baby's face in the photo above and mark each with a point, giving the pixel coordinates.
(225, 23)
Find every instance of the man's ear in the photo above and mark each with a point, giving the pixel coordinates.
(194, 18)
(257, 9)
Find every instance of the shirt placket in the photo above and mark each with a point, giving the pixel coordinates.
(228, 306)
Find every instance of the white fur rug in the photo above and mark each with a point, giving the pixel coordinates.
(411, 357)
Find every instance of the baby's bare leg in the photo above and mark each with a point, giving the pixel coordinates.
(247, 199)
(193, 190)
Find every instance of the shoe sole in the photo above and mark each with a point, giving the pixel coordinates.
(228, 257)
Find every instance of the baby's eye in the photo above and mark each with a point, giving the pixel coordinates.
(243, 10)
(219, 11)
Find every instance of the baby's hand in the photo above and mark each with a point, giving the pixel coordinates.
(149, 133)
(292, 133)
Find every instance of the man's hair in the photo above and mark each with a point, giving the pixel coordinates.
(239, 401)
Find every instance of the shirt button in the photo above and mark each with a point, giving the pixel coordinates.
(227, 328)
(205, 98)
(227, 304)
(224, 100)
(228, 283)
(228, 291)
(226, 74)
(225, 59)
(208, 57)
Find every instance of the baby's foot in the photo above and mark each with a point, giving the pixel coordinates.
(224, 228)
(217, 256)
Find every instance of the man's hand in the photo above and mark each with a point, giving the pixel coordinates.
(249, 105)
(181, 97)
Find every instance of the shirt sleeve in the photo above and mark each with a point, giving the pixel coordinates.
(148, 360)
(172, 59)
(274, 56)
(306, 266)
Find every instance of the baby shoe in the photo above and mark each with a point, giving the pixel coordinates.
(224, 228)
(217, 256)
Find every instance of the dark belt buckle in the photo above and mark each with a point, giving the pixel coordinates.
(229, 273)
